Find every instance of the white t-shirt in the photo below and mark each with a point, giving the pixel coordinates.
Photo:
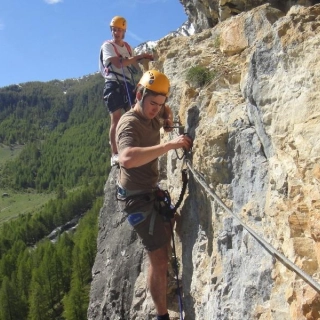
(108, 52)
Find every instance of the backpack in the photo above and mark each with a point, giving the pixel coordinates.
(104, 70)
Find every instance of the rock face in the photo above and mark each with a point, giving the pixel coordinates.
(204, 14)
(256, 144)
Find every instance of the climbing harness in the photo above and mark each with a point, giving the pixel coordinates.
(105, 70)
(166, 208)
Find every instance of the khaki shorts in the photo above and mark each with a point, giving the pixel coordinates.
(141, 211)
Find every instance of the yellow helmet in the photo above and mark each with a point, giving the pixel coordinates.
(156, 81)
(119, 22)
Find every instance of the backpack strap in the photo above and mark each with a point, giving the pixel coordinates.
(116, 50)
(128, 48)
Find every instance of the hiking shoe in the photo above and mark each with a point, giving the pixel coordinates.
(164, 317)
(114, 160)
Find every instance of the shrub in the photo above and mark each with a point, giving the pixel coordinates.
(199, 76)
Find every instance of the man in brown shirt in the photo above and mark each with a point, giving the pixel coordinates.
(138, 142)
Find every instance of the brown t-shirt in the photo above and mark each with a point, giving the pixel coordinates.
(135, 131)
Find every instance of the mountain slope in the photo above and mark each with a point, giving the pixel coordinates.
(255, 128)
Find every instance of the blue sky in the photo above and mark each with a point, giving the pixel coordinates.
(42, 40)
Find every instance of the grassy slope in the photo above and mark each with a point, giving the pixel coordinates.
(20, 203)
(17, 203)
(8, 153)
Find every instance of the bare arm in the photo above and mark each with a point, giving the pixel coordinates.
(132, 157)
(117, 61)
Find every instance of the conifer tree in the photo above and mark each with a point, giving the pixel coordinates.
(23, 277)
(48, 273)
(64, 248)
(76, 302)
(39, 309)
(10, 308)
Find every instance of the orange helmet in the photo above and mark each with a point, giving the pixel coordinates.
(119, 22)
(156, 81)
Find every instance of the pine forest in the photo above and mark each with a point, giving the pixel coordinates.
(54, 161)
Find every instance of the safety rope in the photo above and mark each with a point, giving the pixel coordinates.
(176, 270)
(125, 82)
(183, 189)
(171, 215)
(315, 285)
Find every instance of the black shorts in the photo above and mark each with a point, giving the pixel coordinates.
(115, 95)
(144, 206)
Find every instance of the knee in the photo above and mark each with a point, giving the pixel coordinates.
(113, 125)
(114, 120)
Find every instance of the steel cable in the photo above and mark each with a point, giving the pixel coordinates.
(315, 285)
